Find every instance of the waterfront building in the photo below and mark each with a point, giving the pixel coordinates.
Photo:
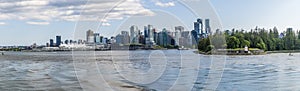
(112, 40)
(155, 35)
(122, 38)
(207, 27)
(47, 45)
(101, 39)
(96, 38)
(164, 38)
(151, 33)
(142, 39)
(90, 36)
(149, 36)
(58, 41)
(198, 26)
(126, 37)
(198, 32)
(185, 39)
(134, 34)
(145, 32)
(195, 38)
(178, 30)
(119, 39)
(66, 41)
(51, 43)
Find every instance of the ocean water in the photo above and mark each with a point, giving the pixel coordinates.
(153, 70)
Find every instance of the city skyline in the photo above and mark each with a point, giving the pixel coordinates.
(150, 36)
(261, 13)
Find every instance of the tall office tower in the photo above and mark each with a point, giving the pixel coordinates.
(101, 39)
(195, 38)
(197, 33)
(200, 26)
(207, 27)
(134, 32)
(126, 37)
(163, 38)
(185, 39)
(51, 43)
(178, 30)
(150, 39)
(58, 41)
(155, 34)
(150, 31)
(197, 27)
(97, 38)
(90, 36)
(124, 32)
(145, 32)
(119, 39)
(47, 45)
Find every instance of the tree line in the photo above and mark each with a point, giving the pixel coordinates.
(268, 40)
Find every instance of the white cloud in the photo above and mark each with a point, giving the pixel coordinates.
(2, 23)
(167, 4)
(33, 3)
(105, 24)
(64, 10)
(38, 23)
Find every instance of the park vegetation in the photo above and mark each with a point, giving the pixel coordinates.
(267, 40)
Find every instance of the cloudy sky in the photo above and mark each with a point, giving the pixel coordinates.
(23, 22)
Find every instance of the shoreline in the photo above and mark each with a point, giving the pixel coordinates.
(197, 52)
(84, 50)
(243, 54)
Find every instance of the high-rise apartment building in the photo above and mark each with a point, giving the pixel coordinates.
(90, 36)
(58, 41)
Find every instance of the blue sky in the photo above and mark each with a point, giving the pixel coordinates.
(23, 22)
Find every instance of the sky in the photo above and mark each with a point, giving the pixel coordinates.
(24, 22)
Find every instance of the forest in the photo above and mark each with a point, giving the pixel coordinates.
(264, 39)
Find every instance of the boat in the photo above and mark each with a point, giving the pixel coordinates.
(182, 48)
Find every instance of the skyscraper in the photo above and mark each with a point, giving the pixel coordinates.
(207, 27)
(155, 34)
(149, 39)
(150, 31)
(97, 38)
(101, 39)
(51, 43)
(58, 41)
(197, 33)
(90, 36)
(178, 30)
(119, 39)
(199, 26)
(145, 32)
(185, 39)
(126, 37)
(134, 34)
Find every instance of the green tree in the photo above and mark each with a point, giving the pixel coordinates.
(233, 42)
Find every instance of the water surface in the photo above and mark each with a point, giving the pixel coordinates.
(171, 69)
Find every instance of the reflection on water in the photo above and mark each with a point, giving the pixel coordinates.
(124, 70)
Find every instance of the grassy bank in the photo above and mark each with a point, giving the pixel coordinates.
(236, 51)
